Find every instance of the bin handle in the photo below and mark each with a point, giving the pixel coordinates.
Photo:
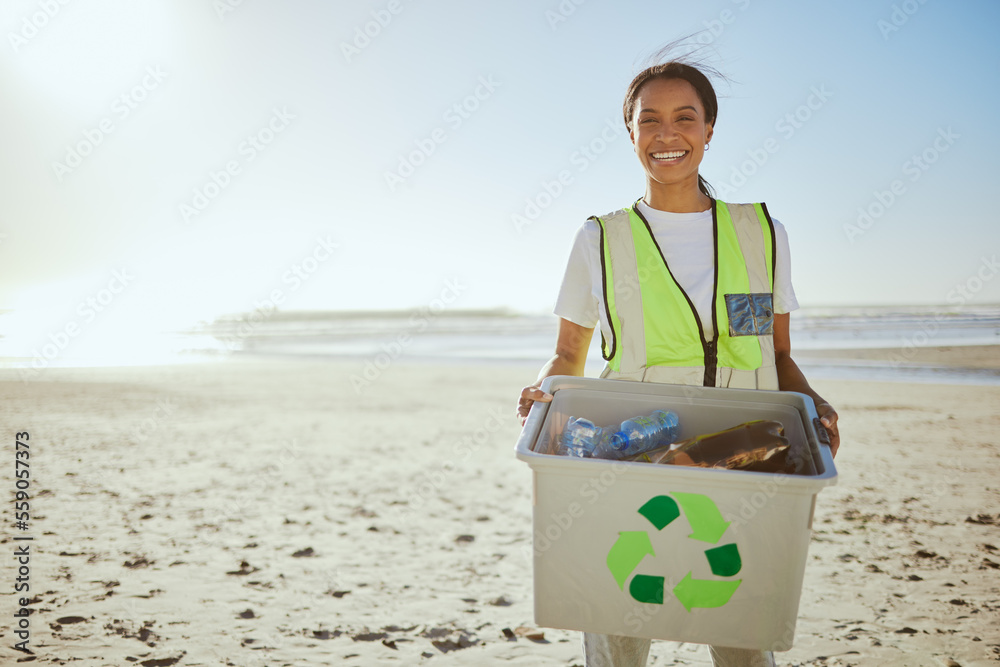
(532, 427)
(821, 433)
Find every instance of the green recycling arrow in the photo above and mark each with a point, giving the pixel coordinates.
(725, 561)
(660, 511)
(631, 547)
(646, 588)
(704, 592)
(707, 524)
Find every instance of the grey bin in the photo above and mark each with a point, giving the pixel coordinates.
(671, 552)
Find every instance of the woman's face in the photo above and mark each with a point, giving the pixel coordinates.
(669, 131)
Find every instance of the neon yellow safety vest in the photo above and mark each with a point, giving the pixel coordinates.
(656, 333)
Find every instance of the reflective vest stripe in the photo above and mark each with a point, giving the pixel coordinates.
(609, 349)
(746, 221)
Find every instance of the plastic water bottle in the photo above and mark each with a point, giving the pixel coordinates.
(633, 436)
(579, 437)
(638, 435)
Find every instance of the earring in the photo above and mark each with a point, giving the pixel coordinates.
(706, 147)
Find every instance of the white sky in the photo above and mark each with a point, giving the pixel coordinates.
(346, 121)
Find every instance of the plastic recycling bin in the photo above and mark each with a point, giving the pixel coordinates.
(664, 551)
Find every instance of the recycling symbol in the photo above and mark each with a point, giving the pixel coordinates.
(707, 525)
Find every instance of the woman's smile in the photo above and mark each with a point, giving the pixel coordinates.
(668, 157)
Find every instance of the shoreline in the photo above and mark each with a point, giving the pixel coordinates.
(965, 357)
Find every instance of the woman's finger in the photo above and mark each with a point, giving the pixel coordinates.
(528, 396)
(829, 417)
(534, 393)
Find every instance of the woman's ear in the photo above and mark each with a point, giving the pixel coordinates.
(708, 133)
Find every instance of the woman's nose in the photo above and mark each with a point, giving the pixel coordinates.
(667, 131)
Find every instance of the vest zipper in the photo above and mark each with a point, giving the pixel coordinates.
(712, 348)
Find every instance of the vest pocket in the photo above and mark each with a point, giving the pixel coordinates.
(750, 314)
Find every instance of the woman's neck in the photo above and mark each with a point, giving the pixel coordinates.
(679, 198)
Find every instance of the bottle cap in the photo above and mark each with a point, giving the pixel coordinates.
(619, 440)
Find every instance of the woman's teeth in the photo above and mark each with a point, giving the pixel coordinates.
(673, 155)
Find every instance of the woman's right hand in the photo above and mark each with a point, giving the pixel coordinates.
(570, 359)
(528, 396)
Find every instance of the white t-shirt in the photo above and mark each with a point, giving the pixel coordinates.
(687, 244)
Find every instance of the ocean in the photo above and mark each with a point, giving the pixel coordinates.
(501, 336)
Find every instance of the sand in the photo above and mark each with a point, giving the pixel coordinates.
(948, 356)
(266, 513)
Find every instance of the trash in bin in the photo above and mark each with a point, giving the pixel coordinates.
(759, 446)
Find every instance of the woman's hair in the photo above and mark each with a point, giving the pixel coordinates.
(692, 71)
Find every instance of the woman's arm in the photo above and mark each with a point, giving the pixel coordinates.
(790, 378)
(570, 358)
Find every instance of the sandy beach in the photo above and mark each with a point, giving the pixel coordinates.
(265, 512)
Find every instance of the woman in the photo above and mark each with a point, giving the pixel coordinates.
(687, 290)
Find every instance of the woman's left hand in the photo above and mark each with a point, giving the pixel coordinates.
(828, 417)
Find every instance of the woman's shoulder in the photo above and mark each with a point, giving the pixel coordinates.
(765, 207)
(592, 225)
(590, 231)
(617, 212)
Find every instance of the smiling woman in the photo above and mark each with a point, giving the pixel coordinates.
(686, 289)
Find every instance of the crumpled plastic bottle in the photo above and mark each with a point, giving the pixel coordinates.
(633, 436)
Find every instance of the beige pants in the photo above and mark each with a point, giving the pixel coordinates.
(617, 651)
